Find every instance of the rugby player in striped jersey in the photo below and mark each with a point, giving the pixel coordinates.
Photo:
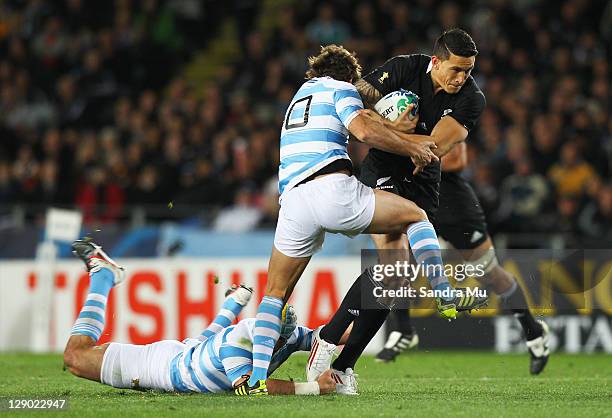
(218, 360)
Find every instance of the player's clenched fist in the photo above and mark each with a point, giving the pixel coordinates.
(326, 383)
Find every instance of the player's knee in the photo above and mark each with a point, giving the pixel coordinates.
(499, 279)
(421, 214)
(71, 360)
(413, 213)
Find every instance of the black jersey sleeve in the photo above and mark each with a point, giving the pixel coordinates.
(467, 109)
(393, 74)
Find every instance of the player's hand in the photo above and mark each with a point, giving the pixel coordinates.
(423, 155)
(403, 123)
(326, 383)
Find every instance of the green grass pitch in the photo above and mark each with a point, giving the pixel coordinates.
(419, 384)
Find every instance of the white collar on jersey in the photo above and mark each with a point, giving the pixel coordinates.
(429, 67)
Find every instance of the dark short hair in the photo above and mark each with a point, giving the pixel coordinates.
(455, 41)
(336, 62)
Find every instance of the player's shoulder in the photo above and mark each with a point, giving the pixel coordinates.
(412, 60)
(333, 84)
(471, 91)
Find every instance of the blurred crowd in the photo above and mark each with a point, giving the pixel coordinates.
(96, 112)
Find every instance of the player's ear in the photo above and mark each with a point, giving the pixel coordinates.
(435, 62)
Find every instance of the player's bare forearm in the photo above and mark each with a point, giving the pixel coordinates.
(324, 385)
(446, 134)
(455, 159)
(280, 387)
(369, 94)
(369, 127)
(274, 386)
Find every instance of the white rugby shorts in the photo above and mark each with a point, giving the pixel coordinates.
(130, 366)
(335, 203)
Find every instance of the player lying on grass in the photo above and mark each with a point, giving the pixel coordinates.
(214, 361)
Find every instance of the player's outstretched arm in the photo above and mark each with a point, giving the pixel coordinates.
(368, 126)
(324, 384)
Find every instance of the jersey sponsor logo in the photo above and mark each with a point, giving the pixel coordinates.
(423, 126)
(446, 112)
(476, 235)
(382, 180)
(383, 77)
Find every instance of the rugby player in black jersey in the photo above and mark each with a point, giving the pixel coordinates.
(449, 107)
(461, 222)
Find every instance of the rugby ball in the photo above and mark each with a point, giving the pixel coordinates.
(396, 102)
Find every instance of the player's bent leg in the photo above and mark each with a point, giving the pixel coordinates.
(495, 277)
(359, 302)
(402, 338)
(504, 285)
(299, 234)
(283, 273)
(513, 299)
(425, 248)
(393, 214)
(236, 298)
(83, 358)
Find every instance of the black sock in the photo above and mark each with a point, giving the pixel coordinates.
(516, 302)
(365, 327)
(334, 329)
(399, 320)
(359, 296)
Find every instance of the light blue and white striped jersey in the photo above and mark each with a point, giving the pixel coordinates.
(214, 365)
(315, 129)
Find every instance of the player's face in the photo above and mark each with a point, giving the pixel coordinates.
(451, 74)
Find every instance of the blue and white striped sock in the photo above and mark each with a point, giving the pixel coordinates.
(228, 313)
(426, 249)
(90, 321)
(265, 335)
